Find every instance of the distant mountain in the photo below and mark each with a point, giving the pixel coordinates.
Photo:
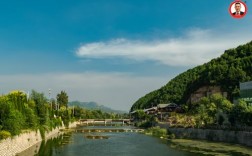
(94, 105)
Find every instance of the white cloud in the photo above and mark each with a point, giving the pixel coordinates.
(195, 47)
(116, 90)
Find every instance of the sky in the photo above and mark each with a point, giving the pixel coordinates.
(111, 51)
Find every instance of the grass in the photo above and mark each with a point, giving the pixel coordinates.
(210, 148)
(156, 131)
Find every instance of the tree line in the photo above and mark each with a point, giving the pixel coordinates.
(214, 112)
(19, 112)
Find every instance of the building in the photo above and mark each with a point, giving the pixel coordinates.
(151, 110)
(246, 92)
(161, 110)
(170, 107)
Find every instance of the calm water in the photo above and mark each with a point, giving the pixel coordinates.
(118, 144)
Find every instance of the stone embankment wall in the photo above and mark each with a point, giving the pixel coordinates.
(72, 125)
(17, 144)
(237, 137)
(11, 146)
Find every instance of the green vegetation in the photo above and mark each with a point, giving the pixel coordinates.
(96, 114)
(4, 134)
(214, 112)
(62, 99)
(144, 120)
(46, 146)
(227, 71)
(159, 132)
(156, 131)
(18, 113)
(209, 148)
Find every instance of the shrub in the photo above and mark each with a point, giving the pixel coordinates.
(14, 123)
(42, 132)
(145, 124)
(172, 136)
(31, 120)
(157, 131)
(4, 134)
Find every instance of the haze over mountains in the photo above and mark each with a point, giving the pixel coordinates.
(94, 106)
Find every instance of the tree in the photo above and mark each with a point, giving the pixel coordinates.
(238, 113)
(30, 118)
(18, 113)
(41, 106)
(221, 102)
(140, 115)
(5, 109)
(18, 98)
(54, 105)
(15, 122)
(62, 99)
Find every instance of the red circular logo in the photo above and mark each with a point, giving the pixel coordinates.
(238, 9)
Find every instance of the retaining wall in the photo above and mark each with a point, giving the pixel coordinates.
(237, 137)
(20, 143)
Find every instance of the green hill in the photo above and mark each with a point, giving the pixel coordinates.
(94, 106)
(226, 71)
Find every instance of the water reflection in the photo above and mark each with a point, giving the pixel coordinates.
(53, 146)
(113, 143)
(118, 143)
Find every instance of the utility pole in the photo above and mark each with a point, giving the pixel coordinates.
(73, 111)
(28, 95)
(56, 104)
(50, 98)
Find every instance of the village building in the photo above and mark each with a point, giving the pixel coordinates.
(246, 92)
(151, 111)
(161, 111)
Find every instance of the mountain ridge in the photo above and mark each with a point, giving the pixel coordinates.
(95, 106)
(226, 71)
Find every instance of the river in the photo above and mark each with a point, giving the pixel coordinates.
(117, 144)
(114, 144)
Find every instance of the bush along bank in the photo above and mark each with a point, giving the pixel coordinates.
(20, 112)
(26, 120)
(29, 138)
(201, 147)
(159, 132)
(148, 122)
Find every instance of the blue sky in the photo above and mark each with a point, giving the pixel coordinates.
(111, 51)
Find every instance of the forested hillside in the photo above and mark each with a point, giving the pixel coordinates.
(232, 67)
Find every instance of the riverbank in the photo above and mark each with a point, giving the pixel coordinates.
(199, 147)
(17, 144)
(125, 143)
(234, 137)
(209, 148)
